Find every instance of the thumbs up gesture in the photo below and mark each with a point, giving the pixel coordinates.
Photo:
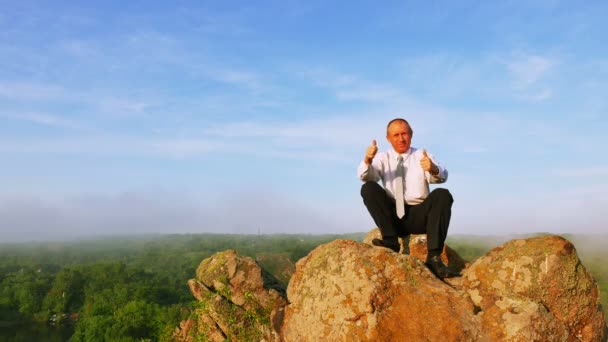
(371, 152)
(427, 164)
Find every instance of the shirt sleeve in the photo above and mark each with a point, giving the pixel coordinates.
(368, 173)
(441, 177)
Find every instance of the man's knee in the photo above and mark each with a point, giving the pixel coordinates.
(442, 194)
(370, 189)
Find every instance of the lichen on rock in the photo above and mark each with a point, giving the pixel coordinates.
(372, 294)
(544, 282)
(237, 301)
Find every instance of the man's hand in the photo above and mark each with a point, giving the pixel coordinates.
(371, 152)
(427, 164)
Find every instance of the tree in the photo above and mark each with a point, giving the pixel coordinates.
(67, 292)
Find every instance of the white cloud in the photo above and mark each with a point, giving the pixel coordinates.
(334, 139)
(123, 106)
(113, 146)
(599, 172)
(490, 76)
(475, 149)
(228, 24)
(335, 131)
(351, 87)
(184, 148)
(337, 137)
(43, 119)
(368, 92)
(79, 48)
(542, 95)
(149, 39)
(24, 91)
(247, 79)
(527, 70)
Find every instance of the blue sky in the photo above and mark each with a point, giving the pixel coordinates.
(239, 116)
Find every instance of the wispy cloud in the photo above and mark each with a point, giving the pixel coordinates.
(181, 148)
(367, 92)
(79, 48)
(331, 140)
(113, 146)
(335, 131)
(43, 119)
(241, 78)
(493, 75)
(149, 39)
(220, 24)
(541, 95)
(475, 149)
(123, 106)
(352, 87)
(527, 70)
(31, 91)
(102, 101)
(598, 172)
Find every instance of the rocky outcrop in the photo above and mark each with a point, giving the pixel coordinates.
(237, 301)
(372, 294)
(528, 289)
(525, 290)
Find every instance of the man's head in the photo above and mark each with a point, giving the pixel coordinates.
(399, 134)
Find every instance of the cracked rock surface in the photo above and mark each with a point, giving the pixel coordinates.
(237, 301)
(532, 289)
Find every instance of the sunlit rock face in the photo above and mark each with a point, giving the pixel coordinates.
(533, 288)
(525, 290)
(349, 291)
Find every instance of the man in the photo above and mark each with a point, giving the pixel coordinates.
(404, 206)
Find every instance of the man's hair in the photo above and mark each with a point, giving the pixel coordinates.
(402, 120)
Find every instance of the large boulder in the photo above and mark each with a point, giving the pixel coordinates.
(526, 290)
(349, 291)
(416, 245)
(237, 301)
(535, 289)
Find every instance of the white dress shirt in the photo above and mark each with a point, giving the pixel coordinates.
(417, 181)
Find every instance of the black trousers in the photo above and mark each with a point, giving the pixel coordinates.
(431, 217)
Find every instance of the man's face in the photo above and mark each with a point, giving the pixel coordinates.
(398, 134)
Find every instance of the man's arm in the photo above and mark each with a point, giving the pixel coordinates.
(435, 173)
(366, 171)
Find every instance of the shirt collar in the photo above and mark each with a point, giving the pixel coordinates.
(395, 155)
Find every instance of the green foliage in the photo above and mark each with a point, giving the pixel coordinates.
(23, 291)
(67, 292)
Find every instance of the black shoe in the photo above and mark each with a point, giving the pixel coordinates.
(406, 244)
(439, 269)
(388, 243)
